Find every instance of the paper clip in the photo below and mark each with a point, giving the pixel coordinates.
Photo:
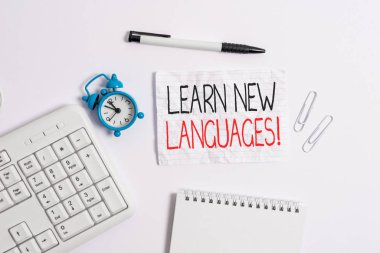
(305, 111)
(317, 133)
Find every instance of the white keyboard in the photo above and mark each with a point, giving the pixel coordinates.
(57, 190)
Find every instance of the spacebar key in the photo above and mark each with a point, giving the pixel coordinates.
(74, 225)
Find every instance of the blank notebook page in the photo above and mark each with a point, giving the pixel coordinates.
(214, 222)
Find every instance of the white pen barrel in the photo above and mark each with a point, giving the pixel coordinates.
(181, 43)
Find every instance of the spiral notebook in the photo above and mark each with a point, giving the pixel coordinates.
(207, 222)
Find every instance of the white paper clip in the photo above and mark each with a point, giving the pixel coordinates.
(317, 133)
(305, 111)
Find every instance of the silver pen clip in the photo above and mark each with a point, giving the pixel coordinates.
(317, 133)
(305, 111)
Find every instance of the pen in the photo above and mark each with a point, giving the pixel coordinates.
(166, 41)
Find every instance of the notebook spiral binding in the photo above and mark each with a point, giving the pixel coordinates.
(242, 201)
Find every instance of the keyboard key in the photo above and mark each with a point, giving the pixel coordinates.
(90, 196)
(9, 176)
(29, 165)
(46, 156)
(14, 250)
(4, 158)
(5, 201)
(57, 214)
(37, 137)
(1, 186)
(111, 195)
(38, 181)
(79, 139)
(48, 198)
(93, 163)
(99, 212)
(30, 246)
(74, 225)
(72, 164)
(81, 180)
(18, 192)
(64, 189)
(55, 173)
(46, 240)
(50, 130)
(20, 233)
(63, 148)
(60, 125)
(73, 205)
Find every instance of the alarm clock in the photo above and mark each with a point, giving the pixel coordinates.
(117, 110)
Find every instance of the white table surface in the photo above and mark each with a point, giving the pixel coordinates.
(48, 49)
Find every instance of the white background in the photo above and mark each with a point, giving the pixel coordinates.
(48, 49)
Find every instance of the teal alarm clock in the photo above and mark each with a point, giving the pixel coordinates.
(117, 110)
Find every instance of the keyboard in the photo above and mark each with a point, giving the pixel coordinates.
(57, 189)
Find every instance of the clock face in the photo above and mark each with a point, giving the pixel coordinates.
(117, 111)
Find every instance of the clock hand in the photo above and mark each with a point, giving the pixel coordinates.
(109, 107)
(117, 110)
(111, 103)
(113, 116)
